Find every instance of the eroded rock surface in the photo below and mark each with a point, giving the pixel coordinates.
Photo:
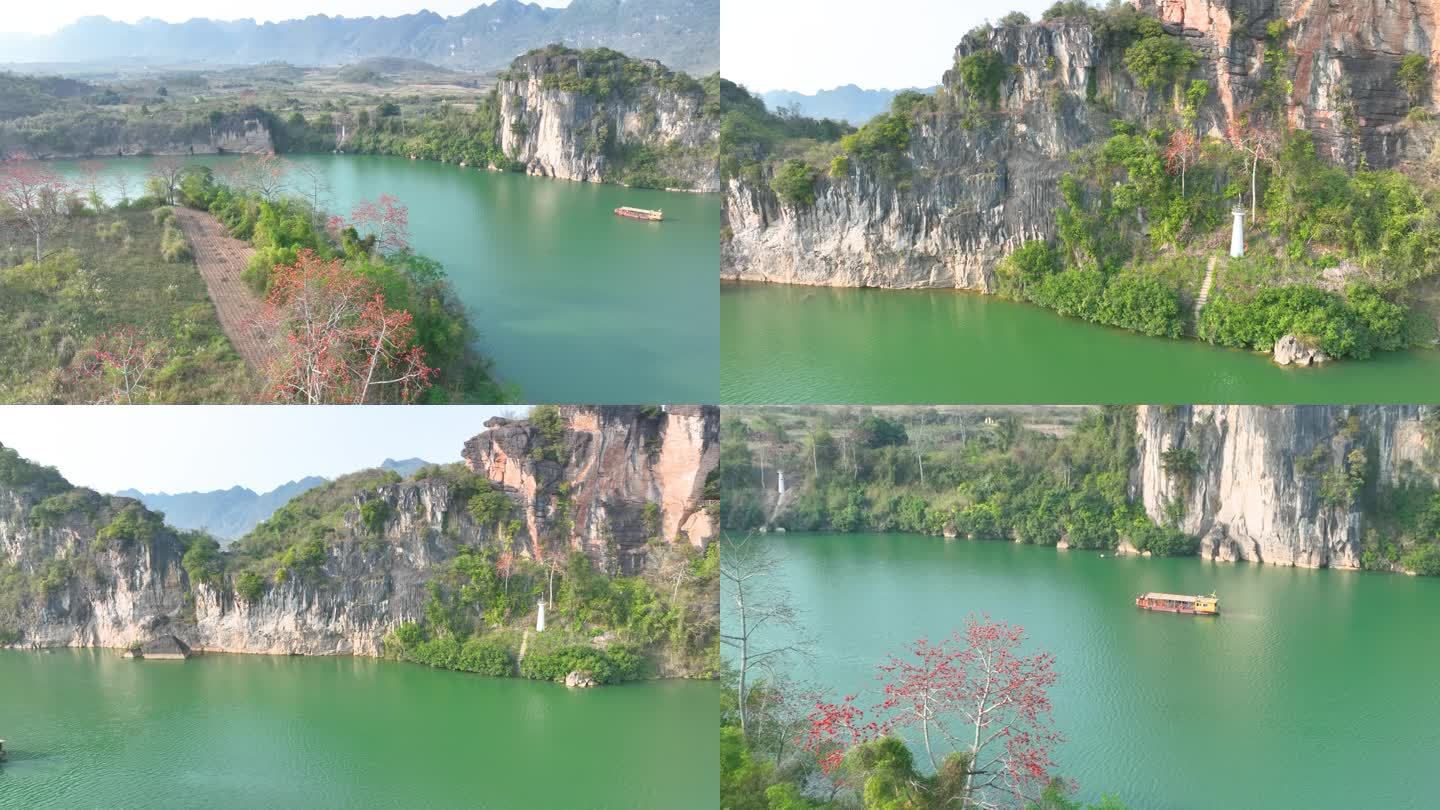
(613, 461)
(575, 136)
(1258, 493)
(981, 185)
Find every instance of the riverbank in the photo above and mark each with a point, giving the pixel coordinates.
(87, 728)
(1154, 705)
(617, 312)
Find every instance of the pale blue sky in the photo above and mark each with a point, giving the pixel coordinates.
(179, 448)
(44, 18)
(809, 45)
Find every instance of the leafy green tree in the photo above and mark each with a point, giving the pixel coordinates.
(1413, 74)
(982, 73)
(1159, 60)
(794, 183)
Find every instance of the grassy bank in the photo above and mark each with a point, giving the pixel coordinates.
(102, 275)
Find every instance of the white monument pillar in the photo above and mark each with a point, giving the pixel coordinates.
(540, 619)
(780, 476)
(1237, 234)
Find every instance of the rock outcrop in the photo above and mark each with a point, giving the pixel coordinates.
(980, 183)
(109, 136)
(82, 582)
(619, 459)
(590, 125)
(1290, 350)
(1257, 489)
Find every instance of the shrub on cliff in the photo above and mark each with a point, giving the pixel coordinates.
(250, 586)
(982, 73)
(133, 525)
(1414, 75)
(202, 561)
(1155, 61)
(881, 143)
(373, 515)
(794, 183)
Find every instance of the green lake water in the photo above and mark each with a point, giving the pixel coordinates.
(573, 303)
(88, 728)
(786, 344)
(1313, 689)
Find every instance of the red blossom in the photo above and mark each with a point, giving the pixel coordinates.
(34, 197)
(387, 219)
(117, 365)
(338, 341)
(973, 693)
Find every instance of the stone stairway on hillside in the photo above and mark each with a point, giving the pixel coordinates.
(1205, 287)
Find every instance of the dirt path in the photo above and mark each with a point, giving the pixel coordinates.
(221, 260)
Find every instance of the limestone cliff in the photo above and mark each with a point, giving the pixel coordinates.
(1258, 487)
(109, 136)
(979, 183)
(599, 117)
(70, 577)
(617, 460)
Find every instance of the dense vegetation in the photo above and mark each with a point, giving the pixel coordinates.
(302, 112)
(1127, 209)
(474, 137)
(1336, 255)
(281, 228)
(993, 479)
(479, 600)
(117, 526)
(752, 137)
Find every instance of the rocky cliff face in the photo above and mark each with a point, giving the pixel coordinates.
(1258, 491)
(619, 460)
(980, 184)
(583, 135)
(110, 137)
(70, 588)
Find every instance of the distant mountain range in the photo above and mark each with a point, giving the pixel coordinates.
(229, 514)
(849, 103)
(684, 34)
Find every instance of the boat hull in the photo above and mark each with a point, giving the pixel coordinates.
(1185, 609)
(640, 214)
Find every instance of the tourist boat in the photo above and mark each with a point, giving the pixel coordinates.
(639, 213)
(1176, 603)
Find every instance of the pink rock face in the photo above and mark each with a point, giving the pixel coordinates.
(616, 460)
(1342, 60)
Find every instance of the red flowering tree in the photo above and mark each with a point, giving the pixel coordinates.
(505, 565)
(387, 219)
(34, 199)
(973, 693)
(1258, 142)
(117, 366)
(337, 340)
(835, 728)
(1181, 153)
(263, 175)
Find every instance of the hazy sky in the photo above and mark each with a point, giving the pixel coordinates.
(43, 18)
(809, 45)
(180, 448)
